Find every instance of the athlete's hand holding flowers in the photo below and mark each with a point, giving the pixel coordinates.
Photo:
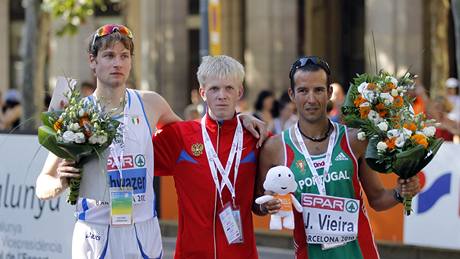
(408, 187)
(79, 132)
(66, 169)
(399, 141)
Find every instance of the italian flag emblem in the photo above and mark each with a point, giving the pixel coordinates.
(135, 120)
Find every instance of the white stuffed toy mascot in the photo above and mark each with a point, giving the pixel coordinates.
(280, 180)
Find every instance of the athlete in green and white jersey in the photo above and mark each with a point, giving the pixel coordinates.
(334, 223)
(340, 181)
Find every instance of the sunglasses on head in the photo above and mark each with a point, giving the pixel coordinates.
(109, 29)
(304, 61)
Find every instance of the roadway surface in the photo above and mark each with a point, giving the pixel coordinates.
(169, 244)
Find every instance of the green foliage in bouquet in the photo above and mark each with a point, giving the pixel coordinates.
(81, 131)
(399, 141)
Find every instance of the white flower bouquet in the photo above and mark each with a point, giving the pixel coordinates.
(79, 132)
(400, 142)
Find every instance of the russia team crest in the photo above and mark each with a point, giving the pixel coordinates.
(197, 149)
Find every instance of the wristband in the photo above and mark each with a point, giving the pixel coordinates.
(397, 196)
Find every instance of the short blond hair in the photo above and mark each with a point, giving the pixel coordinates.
(222, 67)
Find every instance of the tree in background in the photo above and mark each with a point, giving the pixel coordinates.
(38, 17)
(33, 84)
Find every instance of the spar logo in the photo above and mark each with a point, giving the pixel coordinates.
(140, 160)
(321, 202)
(128, 162)
(428, 197)
(351, 206)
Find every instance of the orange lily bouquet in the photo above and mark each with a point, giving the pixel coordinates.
(79, 132)
(399, 141)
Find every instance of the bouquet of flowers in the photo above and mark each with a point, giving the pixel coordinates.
(79, 132)
(400, 142)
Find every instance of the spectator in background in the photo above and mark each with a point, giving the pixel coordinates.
(191, 113)
(453, 97)
(287, 114)
(264, 107)
(196, 100)
(196, 109)
(87, 88)
(421, 98)
(337, 99)
(11, 110)
(439, 109)
(243, 105)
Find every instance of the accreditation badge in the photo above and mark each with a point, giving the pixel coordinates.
(328, 220)
(237, 216)
(230, 225)
(121, 206)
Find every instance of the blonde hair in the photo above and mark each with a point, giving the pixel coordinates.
(222, 67)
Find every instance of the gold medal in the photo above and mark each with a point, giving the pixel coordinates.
(197, 149)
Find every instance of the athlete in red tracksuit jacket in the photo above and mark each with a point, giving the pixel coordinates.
(179, 152)
(196, 154)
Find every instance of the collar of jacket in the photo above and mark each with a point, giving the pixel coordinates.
(225, 125)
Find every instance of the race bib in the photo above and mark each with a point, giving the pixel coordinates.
(329, 220)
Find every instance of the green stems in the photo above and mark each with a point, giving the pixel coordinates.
(74, 186)
(407, 202)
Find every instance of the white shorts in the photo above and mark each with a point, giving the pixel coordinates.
(138, 241)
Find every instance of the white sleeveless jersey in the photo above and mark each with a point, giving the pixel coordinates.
(100, 174)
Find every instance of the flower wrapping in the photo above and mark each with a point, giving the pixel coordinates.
(79, 132)
(399, 141)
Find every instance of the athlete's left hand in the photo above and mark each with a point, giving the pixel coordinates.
(272, 206)
(257, 128)
(409, 187)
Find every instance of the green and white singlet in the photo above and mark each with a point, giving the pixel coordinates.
(342, 180)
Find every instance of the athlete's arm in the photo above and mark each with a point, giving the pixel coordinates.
(53, 179)
(378, 196)
(256, 127)
(167, 146)
(270, 155)
(158, 111)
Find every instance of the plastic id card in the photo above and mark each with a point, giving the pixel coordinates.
(230, 225)
(237, 216)
(121, 206)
